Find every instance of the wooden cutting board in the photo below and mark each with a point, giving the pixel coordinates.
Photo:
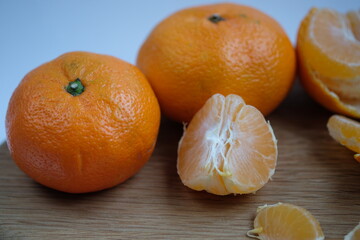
(313, 172)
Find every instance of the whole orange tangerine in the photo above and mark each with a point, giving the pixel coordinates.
(82, 122)
(221, 48)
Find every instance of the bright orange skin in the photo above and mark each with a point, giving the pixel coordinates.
(187, 58)
(82, 143)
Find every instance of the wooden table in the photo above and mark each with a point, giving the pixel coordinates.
(313, 172)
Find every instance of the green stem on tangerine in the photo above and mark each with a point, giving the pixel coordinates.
(75, 88)
(215, 18)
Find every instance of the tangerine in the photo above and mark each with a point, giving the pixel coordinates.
(228, 147)
(221, 48)
(328, 48)
(82, 122)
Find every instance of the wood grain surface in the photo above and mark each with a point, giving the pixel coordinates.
(313, 172)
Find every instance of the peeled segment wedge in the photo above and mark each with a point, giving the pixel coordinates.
(228, 147)
(345, 131)
(284, 221)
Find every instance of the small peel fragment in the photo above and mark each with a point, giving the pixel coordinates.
(357, 157)
(255, 231)
(353, 234)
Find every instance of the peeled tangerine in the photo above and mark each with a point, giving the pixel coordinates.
(328, 48)
(284, 221)
(227, 148)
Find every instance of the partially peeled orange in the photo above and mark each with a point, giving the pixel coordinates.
(228, 147)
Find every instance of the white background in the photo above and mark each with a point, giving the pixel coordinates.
(33, 32)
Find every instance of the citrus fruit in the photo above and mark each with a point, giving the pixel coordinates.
(228, 147)
(345, 131)
(328, 47)
(284, 221)
(82, 122)
(353, 234)
(221, 48)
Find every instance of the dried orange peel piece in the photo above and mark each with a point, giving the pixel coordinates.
(285, 221)
(227, 148)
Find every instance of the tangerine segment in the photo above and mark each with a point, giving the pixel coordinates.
(284, 221)
(227, 148)
(329, 59)
(354, 234)
(345, 131)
